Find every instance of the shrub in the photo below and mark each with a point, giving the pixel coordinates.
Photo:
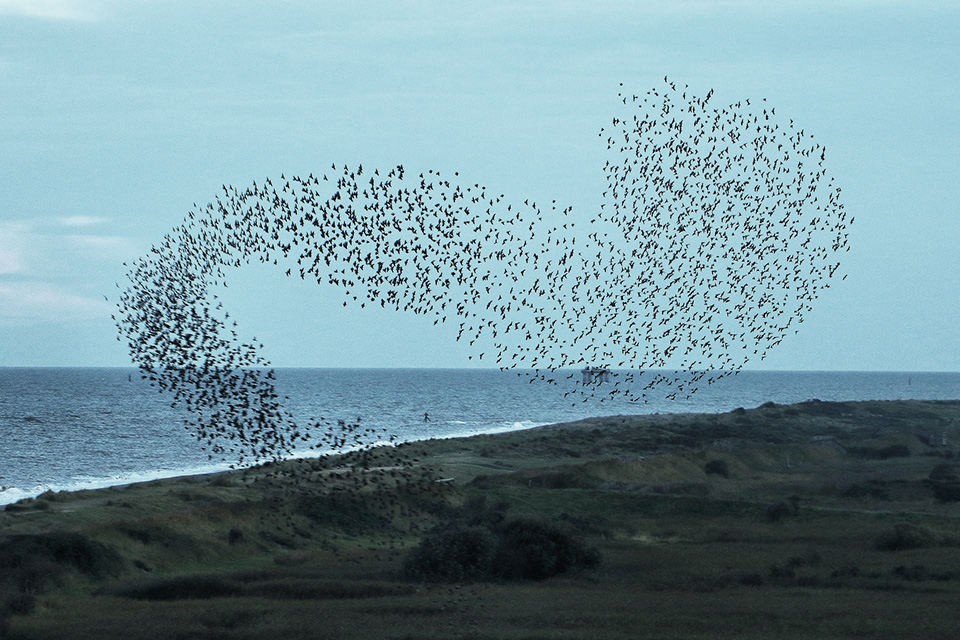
(717, 467)
(780, 510)
(88, 556)
(781, 572)
(532, 550)
(907, 536)
(61, 548)
(947, 491)
(235, 536)
(456, 553)
(197, 587)
(489, 548)
(24, 504)
(21, 604)
(916, 573)
(894, 451)
(883, 453)
(847, 571)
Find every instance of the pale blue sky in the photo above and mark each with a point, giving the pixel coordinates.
(116, 116)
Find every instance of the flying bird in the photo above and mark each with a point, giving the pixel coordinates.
(717, 229)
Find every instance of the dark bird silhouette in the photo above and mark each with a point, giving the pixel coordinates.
(717, 231)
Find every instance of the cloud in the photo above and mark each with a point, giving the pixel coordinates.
(103, 248)
(51, 9)
(46, 302)
(62, 250)
(81, 221)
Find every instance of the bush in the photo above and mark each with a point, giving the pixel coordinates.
(883, 453)
(717, 467)
(780, 510)
(25, 504)
(22, 604)
(947, 491)
(235, 536)
(490, 548)
(894, 451)
(916, 573)
(846, 571)
(781, 572)
(531, 550)
(88, 556)
(61, 548)
(457, 553)
(907, 536)
(196, 587)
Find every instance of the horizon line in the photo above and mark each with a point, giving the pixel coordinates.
(576, 368)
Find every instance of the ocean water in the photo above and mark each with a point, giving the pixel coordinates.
(73, 428)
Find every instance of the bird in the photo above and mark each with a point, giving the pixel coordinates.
(716, 229)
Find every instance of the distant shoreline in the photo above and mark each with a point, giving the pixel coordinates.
(620, 422)
(71, 428)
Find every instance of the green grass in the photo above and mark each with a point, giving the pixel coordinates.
(864, 550)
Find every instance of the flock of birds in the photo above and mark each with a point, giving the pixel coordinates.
(717, 231)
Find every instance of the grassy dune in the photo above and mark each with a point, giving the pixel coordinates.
(815, 520)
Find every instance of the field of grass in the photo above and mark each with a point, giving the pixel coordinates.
(815, 520)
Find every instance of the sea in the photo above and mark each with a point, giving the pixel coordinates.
(83, 428)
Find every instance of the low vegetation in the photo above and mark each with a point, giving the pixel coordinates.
(827, 520)
(476, 543)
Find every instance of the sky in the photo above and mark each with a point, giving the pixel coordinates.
(117, 116)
